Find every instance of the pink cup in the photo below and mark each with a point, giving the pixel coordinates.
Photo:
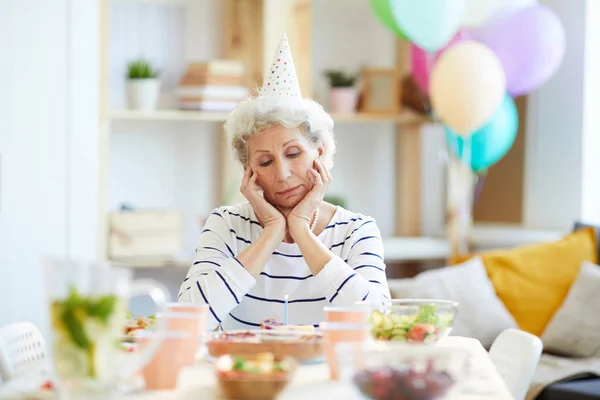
(192, 308)
(338, 332)
(188, 323)
(349, 314)
(162, 371)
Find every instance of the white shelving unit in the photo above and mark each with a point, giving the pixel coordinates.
(134, 123)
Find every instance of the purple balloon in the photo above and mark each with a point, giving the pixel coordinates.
(530, 43)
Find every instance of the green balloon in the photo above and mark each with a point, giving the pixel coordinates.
(383, 12)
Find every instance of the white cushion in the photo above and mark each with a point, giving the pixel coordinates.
(481, 314)
(574, 330)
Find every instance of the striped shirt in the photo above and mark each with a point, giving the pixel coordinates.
(239, 301)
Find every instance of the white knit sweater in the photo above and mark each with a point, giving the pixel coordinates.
(239, 301)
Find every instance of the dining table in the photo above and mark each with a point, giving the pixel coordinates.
(310, 381)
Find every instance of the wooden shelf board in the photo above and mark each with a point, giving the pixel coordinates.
(149, 263)
(405, 117)
(168, 115)
(486, 235)
(417, 248)
(395, 248)
(165, 2)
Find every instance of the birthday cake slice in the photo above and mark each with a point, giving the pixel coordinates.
(272, 323)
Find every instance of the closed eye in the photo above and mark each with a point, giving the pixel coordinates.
(266, 164)
(293, 155)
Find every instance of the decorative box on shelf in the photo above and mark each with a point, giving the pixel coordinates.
(149, 235)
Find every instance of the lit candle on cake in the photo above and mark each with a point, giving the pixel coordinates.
(285, 310)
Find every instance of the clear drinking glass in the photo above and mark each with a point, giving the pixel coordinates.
(88, 310)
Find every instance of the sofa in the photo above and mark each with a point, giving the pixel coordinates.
(583, 387)
(549, 289)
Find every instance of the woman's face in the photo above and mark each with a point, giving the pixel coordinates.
(282, 159)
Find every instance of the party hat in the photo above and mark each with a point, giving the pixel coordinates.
(281, 79)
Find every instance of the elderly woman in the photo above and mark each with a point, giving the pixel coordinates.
(285, 242)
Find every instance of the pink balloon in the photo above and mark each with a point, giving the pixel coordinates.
(422, 62)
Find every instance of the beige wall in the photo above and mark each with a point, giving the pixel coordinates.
(501, 198)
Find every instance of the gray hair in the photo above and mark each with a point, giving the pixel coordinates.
(255, 115)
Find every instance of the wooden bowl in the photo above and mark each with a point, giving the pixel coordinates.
(248, 386)
(299, 346)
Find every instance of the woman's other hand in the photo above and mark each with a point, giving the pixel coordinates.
(271, 217)
(302, 215)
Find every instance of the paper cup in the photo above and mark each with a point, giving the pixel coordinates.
(188, 323)
(349, 314)
(162, 372)
(192, 308)
(339, 332)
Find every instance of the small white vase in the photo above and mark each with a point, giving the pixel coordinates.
(343, 100)
(143, 94)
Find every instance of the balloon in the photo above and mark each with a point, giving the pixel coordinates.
(467, 86)
(530, 43)
(430, 24)
(422, 62)
(381, 8)
(479, 12)
(490, 143)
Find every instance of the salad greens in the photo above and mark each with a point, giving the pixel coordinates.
(424, 326)
(263, 363)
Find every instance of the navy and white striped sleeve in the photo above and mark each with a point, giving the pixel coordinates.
(216, 278)
(361, 275)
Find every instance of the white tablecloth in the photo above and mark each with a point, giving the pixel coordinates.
(312, 381)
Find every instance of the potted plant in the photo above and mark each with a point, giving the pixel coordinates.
(142, 85)
(343, 95)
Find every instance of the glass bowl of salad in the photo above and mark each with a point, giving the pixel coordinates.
(256, 376)
(395, 370)
(412, 320)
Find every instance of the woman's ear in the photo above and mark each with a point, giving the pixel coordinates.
(321, 150)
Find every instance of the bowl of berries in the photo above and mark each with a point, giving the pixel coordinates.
(399, 371)
(412, 320)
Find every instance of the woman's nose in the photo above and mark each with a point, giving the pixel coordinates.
(283, 171)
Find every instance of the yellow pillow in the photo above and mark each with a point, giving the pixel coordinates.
(532, 281)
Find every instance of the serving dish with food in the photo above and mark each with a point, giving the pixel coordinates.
(258, 376)
(300, 342)
(134, 325)
(402, 371)
(412, 320)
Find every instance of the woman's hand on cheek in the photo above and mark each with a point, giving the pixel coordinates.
(302, 215)
(269, 215)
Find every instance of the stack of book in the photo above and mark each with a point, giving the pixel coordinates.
(216, 85)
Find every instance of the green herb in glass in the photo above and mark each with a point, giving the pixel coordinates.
(70, 314)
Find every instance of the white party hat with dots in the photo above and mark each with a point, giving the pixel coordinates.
(281, 79)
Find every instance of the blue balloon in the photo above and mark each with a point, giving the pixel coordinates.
(430, 24)
(492, 141)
